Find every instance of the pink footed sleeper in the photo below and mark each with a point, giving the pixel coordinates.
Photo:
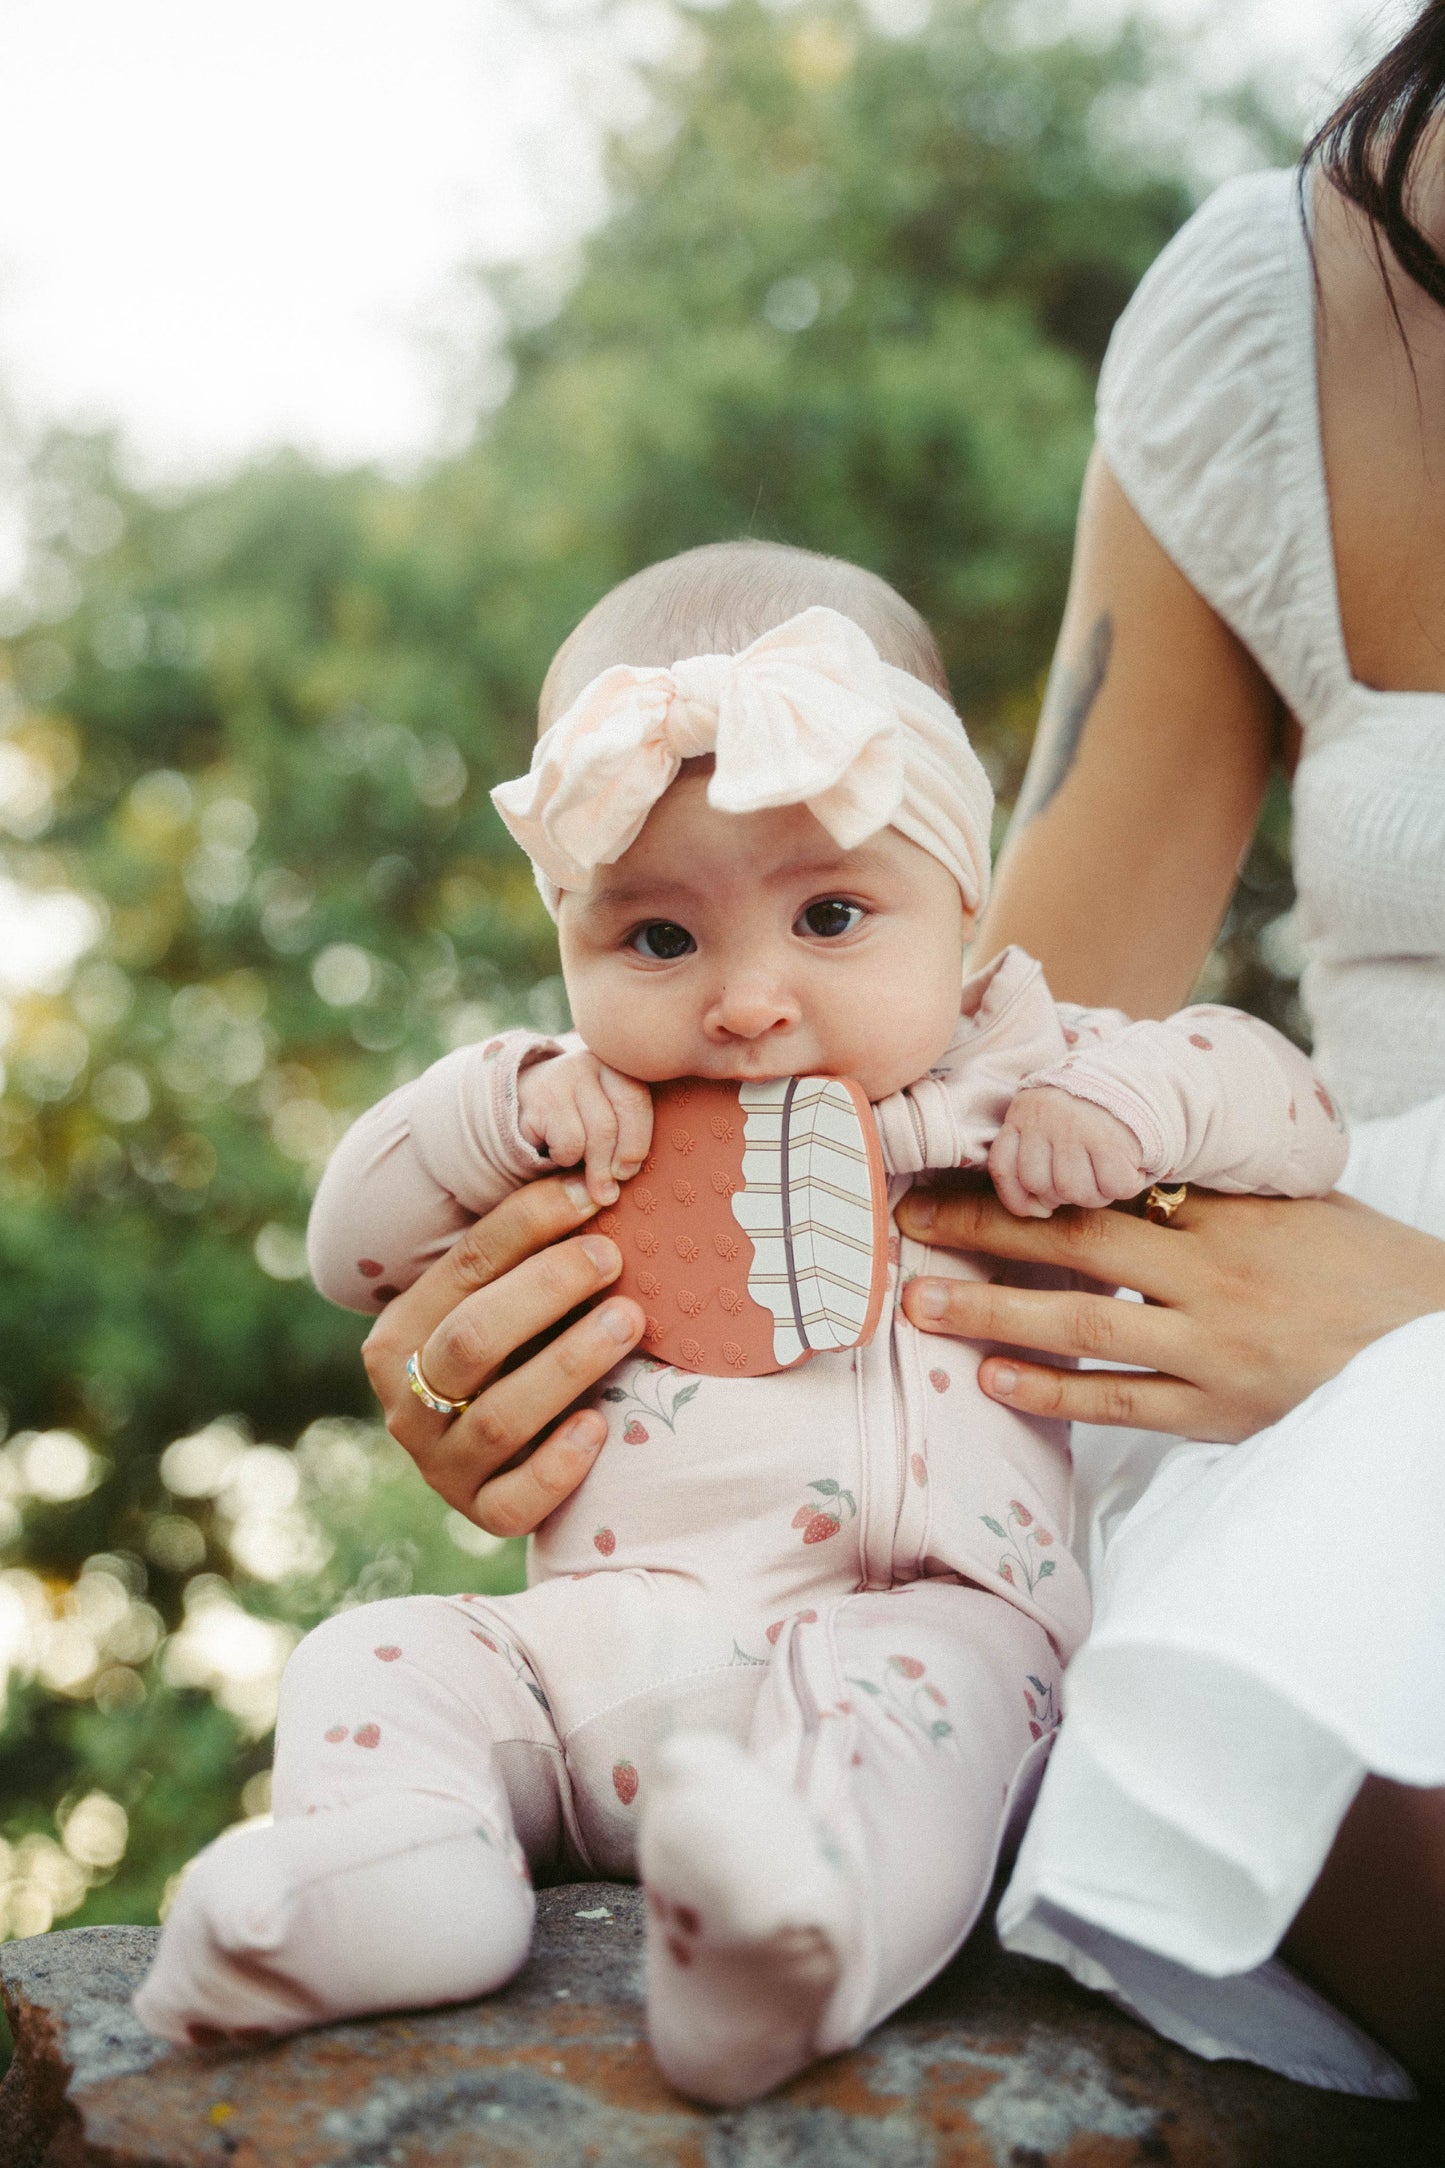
(792, 1651)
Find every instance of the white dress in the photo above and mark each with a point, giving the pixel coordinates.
(1270, 1617)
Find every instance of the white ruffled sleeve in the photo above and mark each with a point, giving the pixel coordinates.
(1207, 415)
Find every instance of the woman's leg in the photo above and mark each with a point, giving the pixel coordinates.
(1371, 1933)
(1251, 1660)
(392, 1877)
(800, 1891)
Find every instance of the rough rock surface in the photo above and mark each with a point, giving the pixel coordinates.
(1001, 2064)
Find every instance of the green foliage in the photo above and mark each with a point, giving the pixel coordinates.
(852, 292)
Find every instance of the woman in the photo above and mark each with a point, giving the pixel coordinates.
(1260, 566)
(1204, 629)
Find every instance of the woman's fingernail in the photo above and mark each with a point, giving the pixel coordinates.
(617, 1321)
(578, 1195)
(608, 1192)
(922, 1209)
(930, 1297)
(1003, 1379)
(583, 1434)
(602, 1253)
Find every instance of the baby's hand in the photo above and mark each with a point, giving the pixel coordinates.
(580, 1112)
(1054, 1149)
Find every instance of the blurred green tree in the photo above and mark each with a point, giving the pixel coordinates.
(852, 291)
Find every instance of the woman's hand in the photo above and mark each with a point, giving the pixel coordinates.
(1250, 1303)
(506, 1280)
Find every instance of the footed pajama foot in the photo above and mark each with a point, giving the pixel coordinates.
(394, 1903)
(750, 1923)
(212, 1978)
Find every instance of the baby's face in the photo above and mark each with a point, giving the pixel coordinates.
(749, 946)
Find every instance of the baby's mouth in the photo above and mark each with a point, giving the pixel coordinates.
(768, 1072)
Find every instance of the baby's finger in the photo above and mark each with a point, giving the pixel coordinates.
(632, 1104)
(1116, 1172)
(1003, 1162)
(566, 1133)
(1036, 1169)
(599, 1124)
(1076, 1179)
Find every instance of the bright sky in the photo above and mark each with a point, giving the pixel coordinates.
(236, 224)
(243, 222)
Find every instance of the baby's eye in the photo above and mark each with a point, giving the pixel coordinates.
(830, 918)
(660, 939)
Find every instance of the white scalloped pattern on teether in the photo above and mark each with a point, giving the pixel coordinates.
(807, 1206)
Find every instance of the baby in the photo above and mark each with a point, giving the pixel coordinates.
(791, 1654)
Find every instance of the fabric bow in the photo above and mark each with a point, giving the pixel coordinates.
(809, 714)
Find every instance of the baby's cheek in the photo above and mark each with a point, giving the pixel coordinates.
(890, 1045)
(640, 1028)
(607, 1029)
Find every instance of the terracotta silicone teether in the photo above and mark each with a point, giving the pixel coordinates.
(756, 1233)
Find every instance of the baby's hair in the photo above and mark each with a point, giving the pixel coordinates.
(718, 599)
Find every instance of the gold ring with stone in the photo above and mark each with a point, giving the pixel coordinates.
(437, 1402)
(1161, 1204)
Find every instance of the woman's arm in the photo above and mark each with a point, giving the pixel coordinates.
(1148, 771)
(1146, 779)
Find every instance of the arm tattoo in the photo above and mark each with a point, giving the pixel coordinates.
(1068, 702)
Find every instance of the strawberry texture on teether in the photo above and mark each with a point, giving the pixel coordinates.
(756, 1233)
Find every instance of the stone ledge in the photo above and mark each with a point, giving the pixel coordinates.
(1001, 2064)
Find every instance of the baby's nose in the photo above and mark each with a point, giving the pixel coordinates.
(750, 1009)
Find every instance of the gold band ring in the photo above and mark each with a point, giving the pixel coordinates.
(437, 1402)
(1160, 1204)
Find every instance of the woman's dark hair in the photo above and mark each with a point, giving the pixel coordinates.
(1369, 146)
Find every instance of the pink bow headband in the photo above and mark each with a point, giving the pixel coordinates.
(810, 714)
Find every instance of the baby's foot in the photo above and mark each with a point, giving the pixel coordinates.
(214, 1976)
(397, 1902)
(750, 1923)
